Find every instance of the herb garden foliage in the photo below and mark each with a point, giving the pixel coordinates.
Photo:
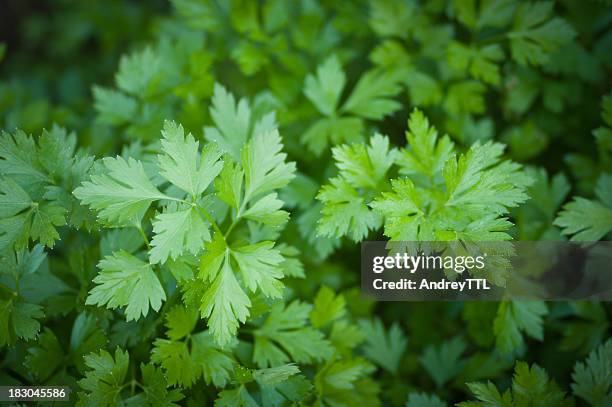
(188, 232)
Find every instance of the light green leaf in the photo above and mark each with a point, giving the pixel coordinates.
(122, 194)
(345, 212)
(372, 96)
(325, 89)
(264, 164)
(328, 307)
(224, 303)
(183, 165)
(125, 280)
(232, 122)
(259, 267)
(178, 232)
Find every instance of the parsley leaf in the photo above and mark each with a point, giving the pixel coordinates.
(284, 335)
(515, 317)
(586, 219)
(125, 280)
(535, 35)
(121, 194)
(443, 363)
(181, 164)
(328, 307)
(385, 348)
(592, 379)
(235, 122)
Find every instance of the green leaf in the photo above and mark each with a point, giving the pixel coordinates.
(592, 378)
(155, 392)
(259, 267)
(488, 395)
(586, 219)
(515, 318)
(139, 72)
(345, 212)
(443, 363)
(184, 362)
(183, 165)
(122, 194)
(535, 36)
(265, 166)
(19, 159)
(328, 307)
(45, 217)
(530, 387)
(13, 198)
(235, 122)
(267, 210)
(229, 184)
(423, 89)
(465, 97)
(426, 152)
(284, 336)
(180, 321)
(238, 397)
(102, 384)
(332, 130)
(18, 320)
(324, 89)
(424, 400)
(385, 348)
(372, 96)
(178, 232)
(392, 18)
(479, 177)
(365, 166)
(275, 375)
(216, 363)
(126, 281)
(113, 107)
(344, 382)
(45, 358)
(481, 63)
(224, 303)
(404, 219)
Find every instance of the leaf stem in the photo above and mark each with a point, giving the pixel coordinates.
(144, 236)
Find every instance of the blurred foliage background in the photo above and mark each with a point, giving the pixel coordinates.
(532, 75)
